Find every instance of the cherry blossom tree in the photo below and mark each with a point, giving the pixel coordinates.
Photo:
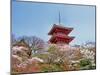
(35, 43)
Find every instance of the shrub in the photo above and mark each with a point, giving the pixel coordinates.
(85, 62)
(50, 67)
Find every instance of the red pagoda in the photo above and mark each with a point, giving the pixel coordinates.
(60, 35)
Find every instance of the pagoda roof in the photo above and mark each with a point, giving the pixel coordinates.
(68, 39)
(61, 28)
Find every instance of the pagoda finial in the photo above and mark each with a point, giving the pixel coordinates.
(59, 18)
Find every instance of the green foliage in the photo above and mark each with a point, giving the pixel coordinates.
(85, 62)
(41, 56)
(92, 67)
(50, 67)
(52, 49)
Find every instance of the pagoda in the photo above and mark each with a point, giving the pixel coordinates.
(60, 35)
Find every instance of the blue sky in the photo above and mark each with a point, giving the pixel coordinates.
(36, 19)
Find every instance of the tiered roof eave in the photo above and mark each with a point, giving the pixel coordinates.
(70, 38)
(55, 26)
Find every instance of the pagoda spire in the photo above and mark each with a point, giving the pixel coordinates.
(59, 18)
(60, 33)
